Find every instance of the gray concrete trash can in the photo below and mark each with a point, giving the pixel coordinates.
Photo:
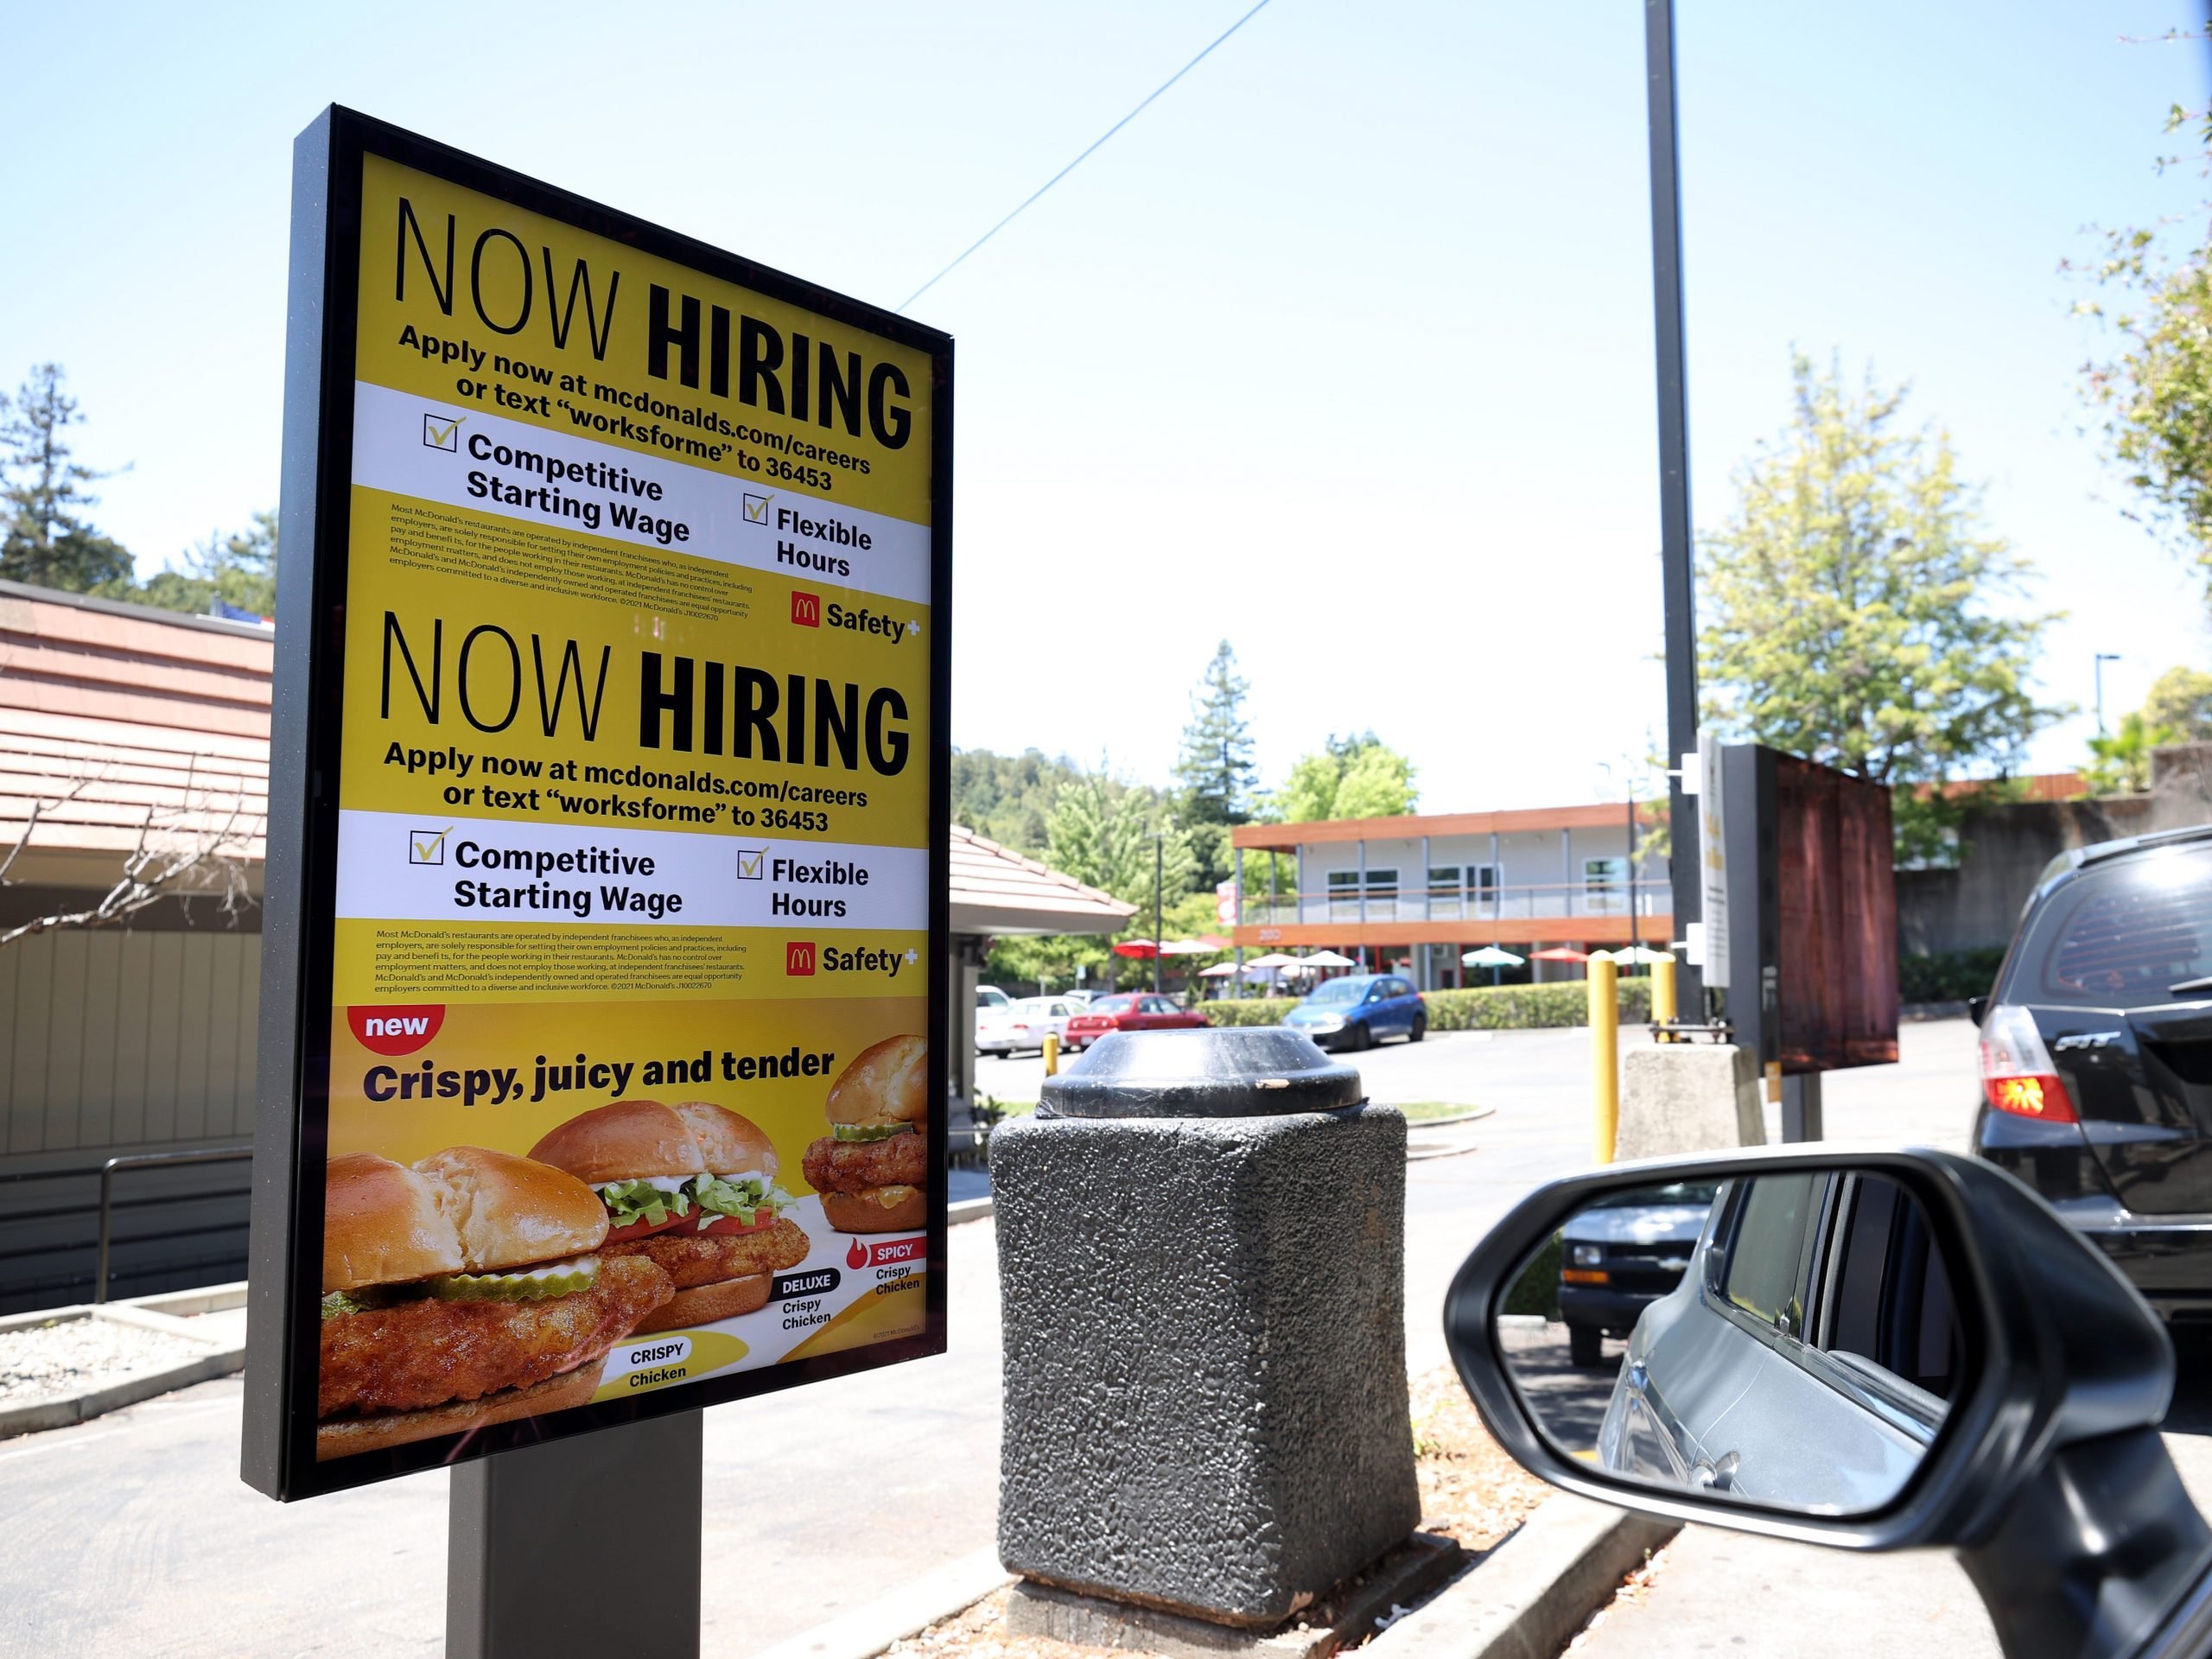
(1201, 1243)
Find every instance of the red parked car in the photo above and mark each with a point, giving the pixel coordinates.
(1130, 1011)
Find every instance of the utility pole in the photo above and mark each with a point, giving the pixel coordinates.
(1674, 551)
(2103, 657)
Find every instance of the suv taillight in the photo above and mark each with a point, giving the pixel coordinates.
(2017, 1075)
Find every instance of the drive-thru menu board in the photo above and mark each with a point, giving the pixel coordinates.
(607, 825)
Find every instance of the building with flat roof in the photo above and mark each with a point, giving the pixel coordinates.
(1411, 894)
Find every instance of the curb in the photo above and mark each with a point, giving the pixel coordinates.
(1472, 1115)
(1526, 1598)
(966, 1209)
(143, 1314)
(872, 1627)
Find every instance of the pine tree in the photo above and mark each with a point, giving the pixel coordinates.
(1216, 770)
(43, 539)
(238, 569)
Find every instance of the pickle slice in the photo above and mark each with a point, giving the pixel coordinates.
(870, 1131)
(522, 1285)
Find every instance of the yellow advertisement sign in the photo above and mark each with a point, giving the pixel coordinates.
(624, 1088)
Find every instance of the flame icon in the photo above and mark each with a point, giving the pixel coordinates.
(857, 1258)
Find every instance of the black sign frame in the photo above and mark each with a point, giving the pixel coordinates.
(292, 1108)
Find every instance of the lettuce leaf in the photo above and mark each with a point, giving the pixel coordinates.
(741, 1200)
(629, 1201)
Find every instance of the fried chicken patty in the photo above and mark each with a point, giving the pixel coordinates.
(424, 1353)
(835, 1166)
(693, 1258)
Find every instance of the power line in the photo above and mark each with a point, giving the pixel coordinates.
(1078, 160)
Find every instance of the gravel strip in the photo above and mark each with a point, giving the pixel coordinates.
(39, 1362)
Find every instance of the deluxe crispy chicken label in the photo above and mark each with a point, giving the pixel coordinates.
(633, 805)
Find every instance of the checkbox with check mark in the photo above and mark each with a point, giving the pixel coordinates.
(756, 508)
(441, 431)
(427, 846)
(752, 863)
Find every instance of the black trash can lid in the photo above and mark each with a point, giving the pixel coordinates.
(1234, 1071)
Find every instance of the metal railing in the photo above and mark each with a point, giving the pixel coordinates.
(1557, 900)
(144, 1161)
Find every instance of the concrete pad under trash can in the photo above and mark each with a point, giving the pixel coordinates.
(1686, 1097)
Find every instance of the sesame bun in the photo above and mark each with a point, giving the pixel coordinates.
(632, 1139)
(382, 1224)
(704, 1303)
(876, 1210)
(343, 1437)
(888, 1084)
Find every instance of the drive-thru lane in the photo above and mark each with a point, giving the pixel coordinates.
(133, 1534)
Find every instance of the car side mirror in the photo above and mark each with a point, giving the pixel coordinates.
(1869, 1349)
(1977, 1009)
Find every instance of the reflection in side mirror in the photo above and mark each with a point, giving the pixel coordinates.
(1789, 1338)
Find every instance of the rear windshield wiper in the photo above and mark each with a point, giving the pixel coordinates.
(2188, 985)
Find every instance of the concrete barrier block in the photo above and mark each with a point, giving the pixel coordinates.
(1685, 1097)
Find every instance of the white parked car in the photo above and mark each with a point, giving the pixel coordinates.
(1023, 1024)
(989, 996)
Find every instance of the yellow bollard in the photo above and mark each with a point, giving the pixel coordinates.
(1662, 990)
(1604, 1051)
(1051, 1054)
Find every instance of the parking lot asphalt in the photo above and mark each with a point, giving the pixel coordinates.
(133, 1532)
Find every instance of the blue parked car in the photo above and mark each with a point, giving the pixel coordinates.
(1360, 1009)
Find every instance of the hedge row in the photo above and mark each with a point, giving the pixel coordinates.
(1948, 976)
(1483, 1008)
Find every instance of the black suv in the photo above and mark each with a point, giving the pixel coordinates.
(2096, 1058)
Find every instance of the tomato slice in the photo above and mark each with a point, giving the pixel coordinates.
(643, 1228)
(725, 1224)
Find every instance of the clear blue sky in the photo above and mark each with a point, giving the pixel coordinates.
(1342, 350)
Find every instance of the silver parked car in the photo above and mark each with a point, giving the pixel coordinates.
(1808, 1355)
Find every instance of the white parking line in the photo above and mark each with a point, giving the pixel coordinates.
(71, 1445)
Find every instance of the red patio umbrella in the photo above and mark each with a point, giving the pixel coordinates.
(1143, 950)
(1557, 953)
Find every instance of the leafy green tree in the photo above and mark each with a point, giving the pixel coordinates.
(1009, 797)
(1105, 840)
(239, 569)
(2155, 392)
(1357, 776)
(44, 537)
(2181, 699)
(2120, 763)
(1852, 608)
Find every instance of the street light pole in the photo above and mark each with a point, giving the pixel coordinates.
(2103, 657)
(1675, 550)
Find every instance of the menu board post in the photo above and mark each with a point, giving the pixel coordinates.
(601, 1071)
(512, 1515)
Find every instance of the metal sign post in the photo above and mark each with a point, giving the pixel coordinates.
(543, 1561)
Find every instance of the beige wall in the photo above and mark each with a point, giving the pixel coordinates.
(114, 1039)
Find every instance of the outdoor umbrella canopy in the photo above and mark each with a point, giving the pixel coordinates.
(1326, 959)
(1143, 950)
(1490, 956)
(1220, 970)
(1639, 953)
(1188, 948)
(1273, 959)
(1557, 953)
